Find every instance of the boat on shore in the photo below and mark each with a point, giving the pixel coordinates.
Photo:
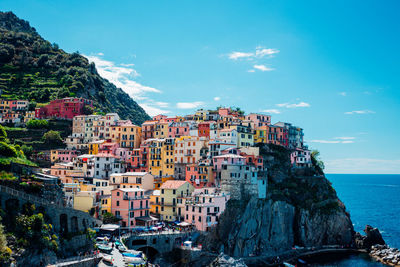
(105, 248)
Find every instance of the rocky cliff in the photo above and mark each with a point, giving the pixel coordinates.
(301, 209)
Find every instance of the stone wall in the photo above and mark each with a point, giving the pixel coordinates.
(62, 218)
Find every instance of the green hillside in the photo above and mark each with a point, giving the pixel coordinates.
(34, 69)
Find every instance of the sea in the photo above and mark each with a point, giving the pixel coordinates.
(372, 199)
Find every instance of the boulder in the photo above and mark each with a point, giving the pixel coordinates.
(225, 261)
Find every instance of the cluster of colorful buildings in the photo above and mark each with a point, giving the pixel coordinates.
(17, 111)
(170, 168)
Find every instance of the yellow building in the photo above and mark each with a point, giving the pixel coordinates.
(105, 202)
(94, 147)
(245, 134)
(171, 192)
(161, 129)
(155, 202)
(126, 135)
(84, 200)
(161, 157)
(200, 115)
(260, 135)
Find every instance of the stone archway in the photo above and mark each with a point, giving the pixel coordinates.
(150, 252)
(74, 224)
(63, 223)
(84, 224)
(12, 206)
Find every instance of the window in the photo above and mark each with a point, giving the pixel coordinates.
(174, 192)
(199, 218)
(117, 203)
(117, 194)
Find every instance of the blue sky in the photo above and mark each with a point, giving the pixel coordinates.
(330, 67)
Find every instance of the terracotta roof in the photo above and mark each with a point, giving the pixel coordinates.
(172, 184)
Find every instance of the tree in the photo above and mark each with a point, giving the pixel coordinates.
(3, 134)
(28, 150)
(37, 124)
(7, 150)
(5, 252)
(87, 110)
(317, 162)
(52, 138)
(109, 218)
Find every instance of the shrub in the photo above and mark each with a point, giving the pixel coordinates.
(28, 150)
(52, 138)
(7, 150)
(37, 124)
(3, 134)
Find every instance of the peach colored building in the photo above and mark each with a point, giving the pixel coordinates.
(131, 205)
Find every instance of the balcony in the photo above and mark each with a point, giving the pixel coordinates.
(140, 208)
(135, 197)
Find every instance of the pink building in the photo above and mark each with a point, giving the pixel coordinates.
(63, 155)
(66, 108)
(300, 158)
(203, 208)
(259, 119)
(228, 159)
(108, 148)
(178, 129)
(132, 206)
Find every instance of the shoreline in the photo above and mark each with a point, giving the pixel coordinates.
(385, 255)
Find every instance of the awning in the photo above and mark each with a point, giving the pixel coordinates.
(109, 227)
(183, 224)
(146, 219)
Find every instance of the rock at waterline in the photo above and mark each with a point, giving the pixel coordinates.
(226, 261)
(372, 237)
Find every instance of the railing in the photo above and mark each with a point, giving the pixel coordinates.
(60, 262)
(27, 197)
(136, 197)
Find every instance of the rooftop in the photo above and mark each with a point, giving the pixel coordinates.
(172, 184)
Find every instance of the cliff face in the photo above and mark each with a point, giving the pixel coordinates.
(299, 211)
(32, 68)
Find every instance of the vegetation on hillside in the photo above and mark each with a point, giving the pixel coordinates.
(32, 68)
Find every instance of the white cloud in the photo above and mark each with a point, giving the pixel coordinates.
(345, 138)
(332, 141)
(298, 105)
(262, 51)
(189, 105)
(100, 54)
(217, 98)
(122, 76)
(252, 70)
(343, 93)
(263, 68)
(359, 112)
(271, 111)
(259, 53)
(363, 165)
(153, 110)
(238, 55)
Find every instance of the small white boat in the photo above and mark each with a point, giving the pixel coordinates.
(108, 260)
(134, 260)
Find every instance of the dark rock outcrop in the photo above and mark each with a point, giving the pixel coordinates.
(372, 237)
(301, 209)
(270, 228)
(225, 261)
